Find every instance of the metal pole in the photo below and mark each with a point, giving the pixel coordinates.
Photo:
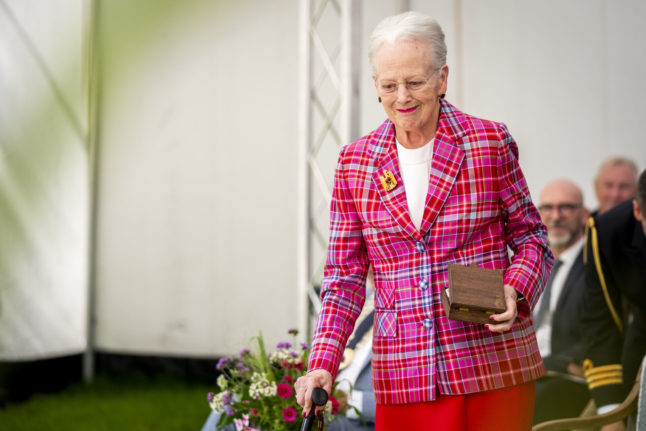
(351, 36)
(92, 109)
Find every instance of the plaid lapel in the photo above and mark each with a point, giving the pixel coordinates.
(445, 165)
(395, 199)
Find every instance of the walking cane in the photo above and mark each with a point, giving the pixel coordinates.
(319, 398)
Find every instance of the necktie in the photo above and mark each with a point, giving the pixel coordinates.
(547, 294)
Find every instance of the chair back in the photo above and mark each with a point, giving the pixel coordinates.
(641, 404)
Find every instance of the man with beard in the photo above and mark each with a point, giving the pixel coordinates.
(562, 392)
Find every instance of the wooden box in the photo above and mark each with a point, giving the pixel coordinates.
(473, 294)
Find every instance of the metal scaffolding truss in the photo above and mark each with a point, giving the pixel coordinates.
(330, 45)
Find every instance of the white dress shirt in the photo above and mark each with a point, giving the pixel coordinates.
(415, 168)
(544, 332)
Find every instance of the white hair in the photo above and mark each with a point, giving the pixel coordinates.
(409, 26)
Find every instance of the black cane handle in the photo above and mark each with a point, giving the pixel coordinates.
(319, 398)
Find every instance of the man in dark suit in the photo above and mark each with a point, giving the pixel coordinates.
(562, 392)
(615, 300)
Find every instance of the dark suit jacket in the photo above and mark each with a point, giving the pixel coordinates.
(622, 249)
(566, 342)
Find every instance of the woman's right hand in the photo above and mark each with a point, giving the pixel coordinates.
(306, 384)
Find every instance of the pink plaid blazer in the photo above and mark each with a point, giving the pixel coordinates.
(477, 205)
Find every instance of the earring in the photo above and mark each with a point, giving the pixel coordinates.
(379, 99)
(442, 95)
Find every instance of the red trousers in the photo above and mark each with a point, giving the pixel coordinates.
(507, 409)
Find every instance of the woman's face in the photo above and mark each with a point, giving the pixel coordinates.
(409, 85)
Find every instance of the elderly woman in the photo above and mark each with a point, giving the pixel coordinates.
(430, 187)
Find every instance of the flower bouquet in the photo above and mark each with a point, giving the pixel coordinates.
(257, 388)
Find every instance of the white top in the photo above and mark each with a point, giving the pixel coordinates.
(544, 332)
(415, 168)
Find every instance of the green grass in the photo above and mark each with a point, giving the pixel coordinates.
(137, 404)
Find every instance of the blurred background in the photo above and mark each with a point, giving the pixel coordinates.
(165, 165)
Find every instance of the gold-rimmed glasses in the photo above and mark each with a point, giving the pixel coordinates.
(413, 85)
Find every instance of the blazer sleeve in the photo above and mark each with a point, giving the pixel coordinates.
(525, 233)
(343, 286)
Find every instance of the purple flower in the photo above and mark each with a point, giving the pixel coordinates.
(293, 354)
(209, 397)
(224, 362)
(284, 390)
(230, 412)
(241, 367)
(289, 414)
(304, 346)
(244, 352)
(284, 345)
(226, 399)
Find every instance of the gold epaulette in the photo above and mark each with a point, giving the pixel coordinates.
(591, 232)
(602, 376)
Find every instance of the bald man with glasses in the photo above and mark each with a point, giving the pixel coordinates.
(562, 392)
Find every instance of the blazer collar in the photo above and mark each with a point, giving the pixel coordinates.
(445, 166)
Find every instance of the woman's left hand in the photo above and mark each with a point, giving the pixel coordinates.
(502, 322)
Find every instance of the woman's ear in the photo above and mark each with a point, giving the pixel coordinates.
(444, 78)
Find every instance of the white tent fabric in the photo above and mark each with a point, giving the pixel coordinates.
(43, 180)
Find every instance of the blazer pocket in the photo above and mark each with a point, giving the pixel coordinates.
(385, 297)
(386, 321)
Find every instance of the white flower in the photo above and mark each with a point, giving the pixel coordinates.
(260, 386)
(284, 355)
(217, 404)
(222, 381)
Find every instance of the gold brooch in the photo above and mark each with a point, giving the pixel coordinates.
(388, 180)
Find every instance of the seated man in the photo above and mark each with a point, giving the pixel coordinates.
(615, 182)
(556, 318)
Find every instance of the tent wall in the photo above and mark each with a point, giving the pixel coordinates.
(197, 184)
(43, 179)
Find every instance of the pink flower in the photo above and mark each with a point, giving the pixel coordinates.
(289, 414)
(335, 405)
(284, 390)
(243, 424)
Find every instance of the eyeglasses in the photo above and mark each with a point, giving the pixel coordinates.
(565, 209)
(414, 85)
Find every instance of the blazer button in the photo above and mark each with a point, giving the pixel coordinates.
(423, 284)
(428, 323)
(420, 247)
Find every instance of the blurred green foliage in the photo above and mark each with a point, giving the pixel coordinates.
(136, 404)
